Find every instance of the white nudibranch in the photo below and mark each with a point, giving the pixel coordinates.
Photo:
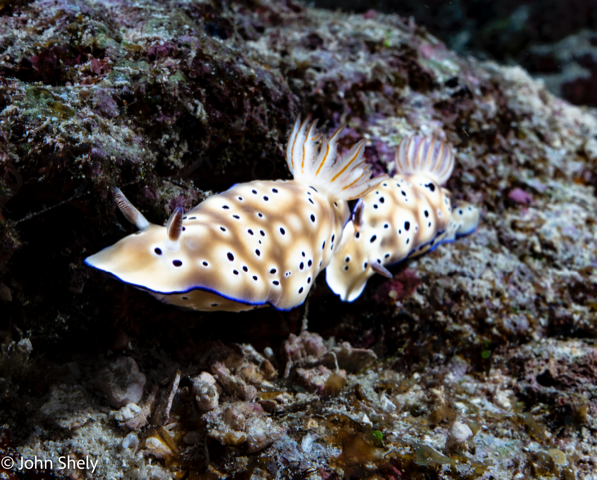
(405, 216)
(257, 244)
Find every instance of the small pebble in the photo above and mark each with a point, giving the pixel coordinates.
(205, 392)
(157, 448)
(121, 382)
(458, 436)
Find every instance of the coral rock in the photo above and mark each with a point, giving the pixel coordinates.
(307, 346)
(316, 380)
(121, 382)
(232, 384)
(458, 436)
(262, 431)
(205, 391)
(206, 92)
(157, 448)
(162, 412)
(69, 406)
(386, 404)
(276, 402)
(240, 423)
(250, 373)
(127, 412)
(146, 406)
(268, 371)
(131, 441)
(351, 359)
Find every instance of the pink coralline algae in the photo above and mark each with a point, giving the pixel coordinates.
(520, 196)
(304, 347)
(400, 287)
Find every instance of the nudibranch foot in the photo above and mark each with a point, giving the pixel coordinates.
(206, 301)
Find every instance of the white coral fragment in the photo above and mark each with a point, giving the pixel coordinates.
(205, 391)
(458, 436)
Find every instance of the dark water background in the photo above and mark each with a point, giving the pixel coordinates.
(552, 39)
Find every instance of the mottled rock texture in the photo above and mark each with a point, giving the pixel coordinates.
(175, 100)
(502, 29)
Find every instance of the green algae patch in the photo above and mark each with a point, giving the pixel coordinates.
(41, 102)
(132, 47)
(177, 77)
(495, 448)
(425, 456)
(559, 457)
(357, 450)
(534, 427)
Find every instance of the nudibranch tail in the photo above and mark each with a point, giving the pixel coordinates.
(312, 159)
(129, 211)
(425, 155)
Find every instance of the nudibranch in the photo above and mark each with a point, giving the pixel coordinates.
(257, 244)
(405, 216)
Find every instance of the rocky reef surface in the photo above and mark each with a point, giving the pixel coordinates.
(475, 361)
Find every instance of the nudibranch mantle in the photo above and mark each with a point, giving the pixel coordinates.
(404, 216)
(259, 243)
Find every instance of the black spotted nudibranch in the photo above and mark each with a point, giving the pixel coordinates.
(405, 216)
(258, 243)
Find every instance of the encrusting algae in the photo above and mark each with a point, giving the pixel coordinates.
(258, 243)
